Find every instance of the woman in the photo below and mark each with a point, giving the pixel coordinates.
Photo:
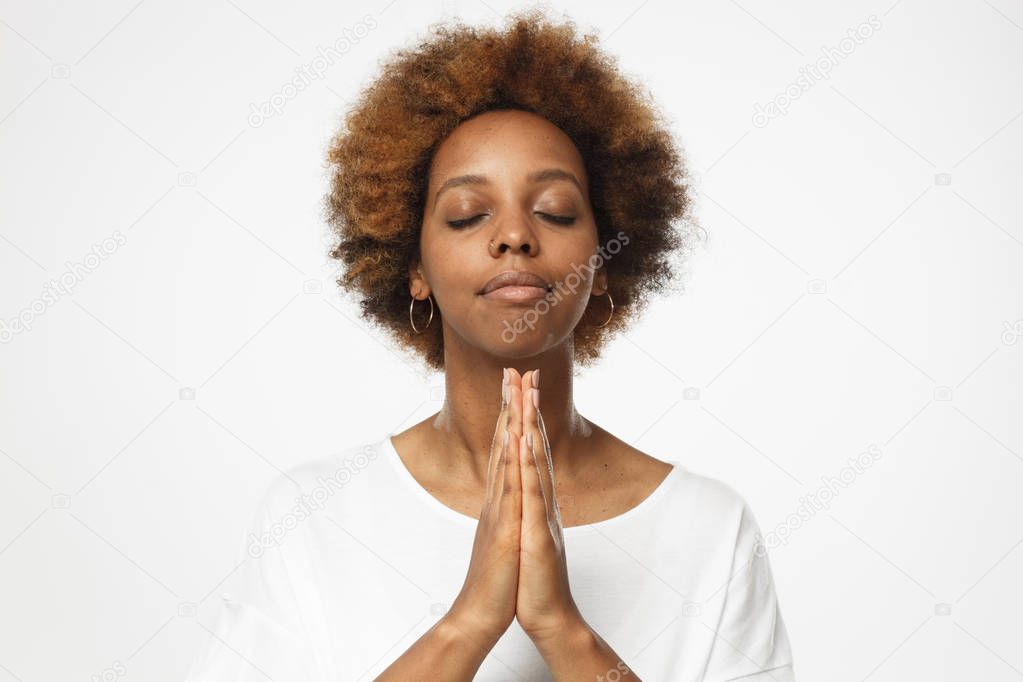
(508, 182)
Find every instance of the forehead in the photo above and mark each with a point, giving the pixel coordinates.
(505, 144)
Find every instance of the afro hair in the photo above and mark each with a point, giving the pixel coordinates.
(380, 158)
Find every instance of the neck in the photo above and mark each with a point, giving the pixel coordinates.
(462, 431)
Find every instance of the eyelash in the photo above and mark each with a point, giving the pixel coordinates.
(466, 222)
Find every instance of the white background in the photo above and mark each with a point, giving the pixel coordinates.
(860, 286)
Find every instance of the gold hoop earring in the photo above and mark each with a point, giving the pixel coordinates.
(410, 305)
(611, 301)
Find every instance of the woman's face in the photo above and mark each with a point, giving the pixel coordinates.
(508, 191)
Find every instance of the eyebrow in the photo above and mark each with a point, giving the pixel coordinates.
(545, 175)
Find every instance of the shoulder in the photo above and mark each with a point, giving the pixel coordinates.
(314, 482)
(715, 510)
(700, 503)
(712, 495)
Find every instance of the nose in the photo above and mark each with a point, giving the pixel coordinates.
(518, 237)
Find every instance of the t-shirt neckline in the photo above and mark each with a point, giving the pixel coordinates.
(391, 454)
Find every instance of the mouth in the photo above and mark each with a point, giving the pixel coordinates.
(515, 285)
(517, 294)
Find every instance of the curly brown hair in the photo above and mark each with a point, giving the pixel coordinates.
(380, 158)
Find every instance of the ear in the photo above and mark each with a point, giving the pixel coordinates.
(417, 285)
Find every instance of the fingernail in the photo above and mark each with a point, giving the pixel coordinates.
(536, 378)
(504, 387)
(529, 440)
(536, 399)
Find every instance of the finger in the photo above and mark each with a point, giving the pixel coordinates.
(499, 456)
(515, 403)
(534, 506)
(511, 502)
(514, 378)
(530, 411)
(546, 466)
(531, 424)
(510, 475)
(497, 443)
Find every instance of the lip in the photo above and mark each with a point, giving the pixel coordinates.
(520, 282)
(516, 293)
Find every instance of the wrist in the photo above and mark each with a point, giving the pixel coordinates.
(460, 628)
(573, 635)
(570, 651)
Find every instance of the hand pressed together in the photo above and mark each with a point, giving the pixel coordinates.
(544, 604)
(518, 567)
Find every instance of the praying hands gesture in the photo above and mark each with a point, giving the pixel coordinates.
(518, 566)
(543, 605)
(517, 569)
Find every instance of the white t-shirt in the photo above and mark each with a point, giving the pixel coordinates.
(341, 579)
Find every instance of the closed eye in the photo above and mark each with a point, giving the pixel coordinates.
(560, 219)
(467, 222)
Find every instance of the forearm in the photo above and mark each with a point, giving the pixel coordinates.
(581, 655)
(448, 652)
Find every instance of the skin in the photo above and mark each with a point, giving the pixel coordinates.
(456, 453)
(599, 475)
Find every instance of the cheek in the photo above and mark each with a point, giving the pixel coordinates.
(453, 269)
(577, 263)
